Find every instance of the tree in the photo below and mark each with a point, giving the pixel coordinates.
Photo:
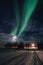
(21, 45)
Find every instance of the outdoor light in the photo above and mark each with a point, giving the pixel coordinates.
(33, 45)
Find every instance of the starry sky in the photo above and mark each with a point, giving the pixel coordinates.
(34, 29)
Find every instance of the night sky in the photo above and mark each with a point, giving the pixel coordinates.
(34, 29)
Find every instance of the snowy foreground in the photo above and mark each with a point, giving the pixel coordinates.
(20, 57)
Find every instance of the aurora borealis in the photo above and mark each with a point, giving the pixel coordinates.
(27, 10)
(17, 16)
(22, 18)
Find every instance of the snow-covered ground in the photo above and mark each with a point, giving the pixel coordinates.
(40, 55)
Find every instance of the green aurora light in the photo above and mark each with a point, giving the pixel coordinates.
(28, 9)
(17, 14)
